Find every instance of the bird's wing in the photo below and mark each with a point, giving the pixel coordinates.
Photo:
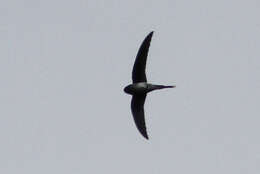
(137, 107)
(138, 73)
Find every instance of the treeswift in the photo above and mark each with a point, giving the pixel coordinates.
(139, 88)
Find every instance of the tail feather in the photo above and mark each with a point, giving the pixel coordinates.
(152, 87)
(169, 86)
(163, 86)
(156, 87)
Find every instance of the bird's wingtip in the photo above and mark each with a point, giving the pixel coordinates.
(146, 137)
(144, 134)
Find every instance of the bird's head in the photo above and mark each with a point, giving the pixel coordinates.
(128, 90)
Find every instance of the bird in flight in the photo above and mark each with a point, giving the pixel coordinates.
(139, 88)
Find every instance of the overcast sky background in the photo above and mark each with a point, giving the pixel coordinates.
(64, 64)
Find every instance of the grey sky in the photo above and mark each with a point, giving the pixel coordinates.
(56, 57)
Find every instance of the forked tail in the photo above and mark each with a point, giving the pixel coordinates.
(156, 87)
(169, 86)
(162, 86)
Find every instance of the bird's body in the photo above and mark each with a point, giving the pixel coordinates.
(143, 88)
(136, 88)
(139, 88)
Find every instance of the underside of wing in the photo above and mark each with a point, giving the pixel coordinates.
(137, 107)
(138, 73)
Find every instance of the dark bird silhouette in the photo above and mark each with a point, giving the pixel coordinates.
(139, 88)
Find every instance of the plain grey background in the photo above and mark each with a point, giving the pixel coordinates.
(64, 64)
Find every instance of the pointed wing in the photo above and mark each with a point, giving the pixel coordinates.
(137, 107)
(138, 73)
